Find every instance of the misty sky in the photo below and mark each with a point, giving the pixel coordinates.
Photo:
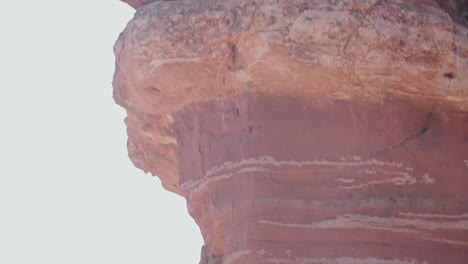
(68, 192)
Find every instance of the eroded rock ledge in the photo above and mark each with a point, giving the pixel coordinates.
(305, 131)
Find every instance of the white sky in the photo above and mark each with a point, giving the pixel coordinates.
(68, 192)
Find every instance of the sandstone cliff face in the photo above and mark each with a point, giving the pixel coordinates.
(305, 131)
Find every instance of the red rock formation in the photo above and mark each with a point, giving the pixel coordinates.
(305, 131)
(138, 3)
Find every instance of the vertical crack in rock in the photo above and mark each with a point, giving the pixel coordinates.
(234, 58)
(363, 17)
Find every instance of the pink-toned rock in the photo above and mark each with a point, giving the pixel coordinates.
(305, 131)
(138, 3)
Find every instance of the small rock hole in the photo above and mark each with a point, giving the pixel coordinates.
(449, 75)
(424, 130)
(154, 89)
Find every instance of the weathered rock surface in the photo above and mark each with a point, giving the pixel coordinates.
(305, 131)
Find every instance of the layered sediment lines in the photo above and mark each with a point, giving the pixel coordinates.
(305, 131)
(282, 180)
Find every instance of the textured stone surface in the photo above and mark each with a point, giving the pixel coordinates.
(457, 9)
(305, 131)
(272, 179)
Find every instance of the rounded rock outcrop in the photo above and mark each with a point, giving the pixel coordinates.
(304, 131)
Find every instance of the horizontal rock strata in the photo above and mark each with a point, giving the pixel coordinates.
(305, 131)
(282, 180)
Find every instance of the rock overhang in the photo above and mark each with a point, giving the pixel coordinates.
(300, 118)
(174, 53)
